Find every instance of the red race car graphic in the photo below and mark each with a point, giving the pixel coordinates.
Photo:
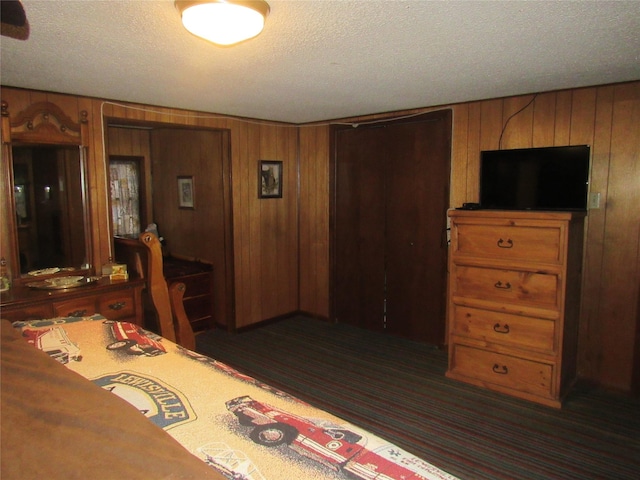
(133, 340)
(332, 445)
(55, 342)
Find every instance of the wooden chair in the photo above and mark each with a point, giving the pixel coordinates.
(183, 330)
(172, 319)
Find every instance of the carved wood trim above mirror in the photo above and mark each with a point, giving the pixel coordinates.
(45, 122)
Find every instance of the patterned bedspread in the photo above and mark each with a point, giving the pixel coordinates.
(240, 427)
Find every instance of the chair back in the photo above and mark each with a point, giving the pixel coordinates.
(172, 318)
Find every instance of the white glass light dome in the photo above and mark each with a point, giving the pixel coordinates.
(224, 22)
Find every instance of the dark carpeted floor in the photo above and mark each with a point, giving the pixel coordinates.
(396, 389)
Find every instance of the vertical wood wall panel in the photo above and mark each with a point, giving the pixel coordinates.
(289, 151)
(314, 220)
(472, 186)
(544, 119)
(563, 117)
(240, 168)
(583, 117)
(309, 194)
(620, 289)
(266, 226)
(269, 224)
(254, 240)
(591, 328)
(490, 126)
(459, 158)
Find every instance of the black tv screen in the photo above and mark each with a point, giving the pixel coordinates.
(550, 178)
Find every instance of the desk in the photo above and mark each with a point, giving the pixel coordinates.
(197, 277)
(198, 295)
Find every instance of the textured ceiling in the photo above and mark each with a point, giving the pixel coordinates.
(325, 59)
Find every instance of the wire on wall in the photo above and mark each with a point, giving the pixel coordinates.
(513, 115)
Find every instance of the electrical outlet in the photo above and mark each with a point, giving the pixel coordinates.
(594, 200)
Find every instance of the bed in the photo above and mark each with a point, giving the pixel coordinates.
(87, 397)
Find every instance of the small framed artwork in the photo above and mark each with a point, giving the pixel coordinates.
(186, 193)
(270, 179)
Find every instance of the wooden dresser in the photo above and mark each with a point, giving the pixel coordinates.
(514, 301)
(198, 295)
(116, 300)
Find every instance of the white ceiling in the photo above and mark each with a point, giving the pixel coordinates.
(325, 59)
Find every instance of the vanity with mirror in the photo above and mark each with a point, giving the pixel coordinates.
(46, 229)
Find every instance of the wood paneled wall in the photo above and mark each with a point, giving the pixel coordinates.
(281, 247)
(197, 232)
(605, 117)
(314, 220)
(608, 119)
(265, 232)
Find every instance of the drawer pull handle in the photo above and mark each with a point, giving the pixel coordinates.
(504, 286)
(500, 369)
(501, 329)
(507, 244)
(117, 305)
(77, 313)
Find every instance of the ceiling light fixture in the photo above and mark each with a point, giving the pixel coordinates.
(223, 22)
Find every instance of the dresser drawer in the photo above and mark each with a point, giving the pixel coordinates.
(31, 312)
(117, 305)
(514, 330)
(198, 307)
(199, 284)
(511, 286)
(535, 244)
(76, 307)
(535, 378)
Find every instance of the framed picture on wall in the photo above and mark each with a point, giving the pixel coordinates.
(270, 179)
(186, 193)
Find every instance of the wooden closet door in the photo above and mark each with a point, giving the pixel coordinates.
(417, 199)
(389, 231)
(359, 229)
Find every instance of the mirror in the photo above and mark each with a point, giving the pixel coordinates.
(44, 207)
(48, 201)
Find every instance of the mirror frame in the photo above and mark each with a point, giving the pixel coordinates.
(44, 124)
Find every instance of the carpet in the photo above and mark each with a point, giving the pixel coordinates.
(396, 388)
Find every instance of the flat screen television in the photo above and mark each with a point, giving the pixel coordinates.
(550, 178)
